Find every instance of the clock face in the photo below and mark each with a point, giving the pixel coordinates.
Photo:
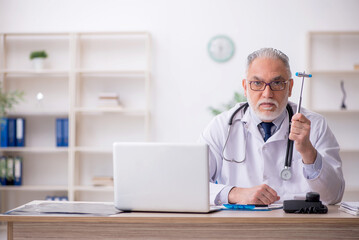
(221, 48)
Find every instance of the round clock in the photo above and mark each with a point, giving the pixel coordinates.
(221, 48)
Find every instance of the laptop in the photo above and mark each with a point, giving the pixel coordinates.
(161, 177)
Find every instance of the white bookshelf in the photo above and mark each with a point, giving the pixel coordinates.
(331, 59)
(79, 67)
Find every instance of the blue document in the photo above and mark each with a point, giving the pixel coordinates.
(253, 207)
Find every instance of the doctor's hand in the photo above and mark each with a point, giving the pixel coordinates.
(299, 133)
(262, 194)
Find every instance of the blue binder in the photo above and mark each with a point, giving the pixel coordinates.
(18, 171)
(65, 133)
(4, 132)
(11, 132)
(59, 133)
(20, 132)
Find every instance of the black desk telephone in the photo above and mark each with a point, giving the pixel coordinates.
(311, 204)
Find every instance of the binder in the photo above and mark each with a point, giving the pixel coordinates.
(20, 132)
(11, 132)
(17, 171)
(2, 170)
(4, 132)
(65, 133)
(10, 171)
(59, 132)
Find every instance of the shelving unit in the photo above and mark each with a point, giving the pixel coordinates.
(79, 67)
(332, 57)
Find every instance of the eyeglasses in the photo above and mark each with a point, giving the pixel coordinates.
(274, 85)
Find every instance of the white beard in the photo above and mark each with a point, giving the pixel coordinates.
(268, 115)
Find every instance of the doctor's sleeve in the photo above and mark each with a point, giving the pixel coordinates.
(330, 181)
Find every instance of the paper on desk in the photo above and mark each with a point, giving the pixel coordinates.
(74, 208)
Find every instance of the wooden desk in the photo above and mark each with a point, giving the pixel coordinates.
(218, 225)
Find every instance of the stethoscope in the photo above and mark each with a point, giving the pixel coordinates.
(286, 173)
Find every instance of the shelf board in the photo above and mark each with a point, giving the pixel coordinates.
(335, 111)
(140, 112)
(94, 188)
(35, 72)
(313, 72)
(349, 150)
(35, 149)
(352, 189)
(34, 188)
(93, 149)
(109, 71)
(39, 113)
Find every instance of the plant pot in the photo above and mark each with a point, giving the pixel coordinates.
(38, 63)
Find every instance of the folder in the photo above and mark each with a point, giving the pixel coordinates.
(17, 171)
(59, 132)
(20, 132)
(10, 171)
(2, 170)
(11, 132)
(65, 133)
(4, 132)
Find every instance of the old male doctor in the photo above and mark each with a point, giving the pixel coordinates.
(245, 165)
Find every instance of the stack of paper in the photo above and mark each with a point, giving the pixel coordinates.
(350, 207)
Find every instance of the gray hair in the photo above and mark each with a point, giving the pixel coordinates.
(269, 53)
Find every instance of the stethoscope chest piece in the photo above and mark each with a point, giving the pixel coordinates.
(286, 173)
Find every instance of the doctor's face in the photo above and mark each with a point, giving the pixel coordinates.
(267, 104)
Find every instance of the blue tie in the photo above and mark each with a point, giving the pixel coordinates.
(267, 130)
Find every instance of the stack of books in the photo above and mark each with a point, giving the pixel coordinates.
(102, 181)
(108, 99)
(350, 207)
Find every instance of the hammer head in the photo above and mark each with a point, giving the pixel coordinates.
(299, 74)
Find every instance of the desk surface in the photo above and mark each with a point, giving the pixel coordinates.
(223, 216)
(224, 224)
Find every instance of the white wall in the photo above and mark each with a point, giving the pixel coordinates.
(185, 80)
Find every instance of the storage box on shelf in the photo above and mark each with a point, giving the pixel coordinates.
(332, 59)
(79, 67)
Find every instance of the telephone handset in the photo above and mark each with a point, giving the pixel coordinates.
(311, 204)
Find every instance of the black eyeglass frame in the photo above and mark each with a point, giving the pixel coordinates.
(268, 84)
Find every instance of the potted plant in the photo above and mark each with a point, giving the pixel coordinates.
(237, 97)
(8, 100)
(37, 58)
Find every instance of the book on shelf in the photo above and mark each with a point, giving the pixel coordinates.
(108, 100)
(4, 125)
(12, 131)
(102, 181)
(10, 171)
(62, 132)
(3, 169)
(20, 132)
(18, 171)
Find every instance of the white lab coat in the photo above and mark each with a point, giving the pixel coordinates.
(263, 161)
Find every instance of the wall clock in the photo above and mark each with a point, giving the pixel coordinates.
(221, 48)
